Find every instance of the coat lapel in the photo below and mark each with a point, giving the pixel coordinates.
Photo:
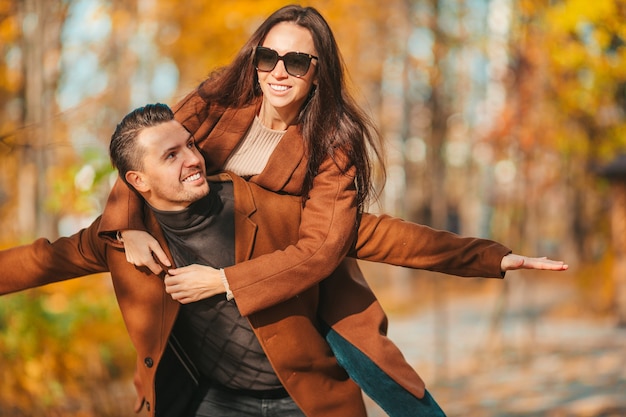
(226, 135)
(288, 157)
(155, 230)
(245, 207)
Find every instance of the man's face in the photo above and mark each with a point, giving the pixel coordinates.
(173, 174)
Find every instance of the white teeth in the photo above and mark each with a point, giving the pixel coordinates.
(193, 177)
(279, 87)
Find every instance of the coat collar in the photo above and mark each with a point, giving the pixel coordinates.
(245, 227)
(232, 128)
(285, 159)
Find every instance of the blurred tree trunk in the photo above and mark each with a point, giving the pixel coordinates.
(42, 21)
(436, 179)
(618, 227)
(440, 110)
(120, 62)
(9, 119)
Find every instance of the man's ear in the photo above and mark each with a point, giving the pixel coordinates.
(135, 178)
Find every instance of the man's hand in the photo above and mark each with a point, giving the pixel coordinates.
(194, 282)
(143, 250)
(512, 262)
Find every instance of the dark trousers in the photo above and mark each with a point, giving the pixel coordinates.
(214, 401)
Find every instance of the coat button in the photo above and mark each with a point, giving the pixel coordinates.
(149, 362)
(147, 406)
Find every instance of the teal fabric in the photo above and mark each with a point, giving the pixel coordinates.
(389, 395)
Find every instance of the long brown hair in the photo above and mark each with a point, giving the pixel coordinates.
(330, 119)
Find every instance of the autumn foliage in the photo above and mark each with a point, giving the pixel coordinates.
(497, 115)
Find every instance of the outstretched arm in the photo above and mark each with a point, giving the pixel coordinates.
(397, 242)
(43, 262)
(382, 239)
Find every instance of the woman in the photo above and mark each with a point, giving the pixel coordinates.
(280, 115)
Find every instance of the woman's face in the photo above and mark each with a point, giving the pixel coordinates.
(284, 94)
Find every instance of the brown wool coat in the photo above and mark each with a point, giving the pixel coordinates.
(288, 331)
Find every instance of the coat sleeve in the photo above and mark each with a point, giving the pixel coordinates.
(326, 233)
(397, 242)
(43, 262)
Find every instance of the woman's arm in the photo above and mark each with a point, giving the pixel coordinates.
(398, 242)
(325, 235)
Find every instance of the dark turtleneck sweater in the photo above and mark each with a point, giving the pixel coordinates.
(213, 333)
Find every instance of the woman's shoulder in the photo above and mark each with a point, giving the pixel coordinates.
(194, 110)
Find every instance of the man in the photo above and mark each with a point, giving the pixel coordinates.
(178, 374)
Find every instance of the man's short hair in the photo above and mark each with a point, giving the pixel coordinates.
(126, 155)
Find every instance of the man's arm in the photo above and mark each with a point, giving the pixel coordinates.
(43, 262)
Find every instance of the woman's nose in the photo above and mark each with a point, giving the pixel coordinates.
(279, 70)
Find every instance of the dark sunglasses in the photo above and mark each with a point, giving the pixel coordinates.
(296, 63)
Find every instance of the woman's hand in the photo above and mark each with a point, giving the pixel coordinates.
(512, 262)
(143, 250)
(193, 283)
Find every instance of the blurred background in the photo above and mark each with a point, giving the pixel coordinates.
(504, 119)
